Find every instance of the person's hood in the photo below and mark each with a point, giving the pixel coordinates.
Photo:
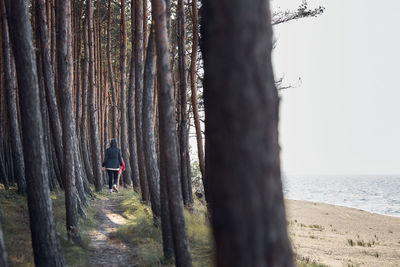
(113, 142)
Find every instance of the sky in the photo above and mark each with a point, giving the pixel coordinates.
(344, 115)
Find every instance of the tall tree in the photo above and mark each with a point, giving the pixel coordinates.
(242, 129)
(145, 27)
(124, 138)
(131, 108)
(193, 87)
(139, 97)
(168, 136)
(85, 101)
(64, 60)
(95, 143)
(3, 252)
(166, 228)
(48, 75)
(46, 247)
(111, 75)
(12, 111)
(150, 158)
(183, 133)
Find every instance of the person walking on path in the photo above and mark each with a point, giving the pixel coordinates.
(112, 161)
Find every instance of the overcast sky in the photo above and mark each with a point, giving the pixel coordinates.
(344, 117)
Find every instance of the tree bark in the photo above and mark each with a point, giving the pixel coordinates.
(111, 74)
(139, 98)
(77, 77)
(183, 133)
(85, 102)
(153, 174)
(12, 111)
(168, 136)
(193, 87)
(145, 28)
(46, 247)
(51, 98)
(3, 251)
(242, 110)
(64, 60)
(131, 109)
(124, 139)
(95, 143)
(166, 228)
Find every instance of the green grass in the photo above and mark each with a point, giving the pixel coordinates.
(145, 233)
(17, 236)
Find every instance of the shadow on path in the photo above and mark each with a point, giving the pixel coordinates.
(107, 251)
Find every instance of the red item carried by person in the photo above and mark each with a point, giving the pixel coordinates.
(122, 168)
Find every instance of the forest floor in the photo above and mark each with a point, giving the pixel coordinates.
(119, 230)
(106, 250)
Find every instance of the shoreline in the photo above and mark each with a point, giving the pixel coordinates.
(342, 236)
(339, 205)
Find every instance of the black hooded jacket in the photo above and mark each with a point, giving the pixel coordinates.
(113, 158)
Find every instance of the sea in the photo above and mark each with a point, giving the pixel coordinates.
(376, 194)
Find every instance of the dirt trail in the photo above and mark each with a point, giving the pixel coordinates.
(107, 251)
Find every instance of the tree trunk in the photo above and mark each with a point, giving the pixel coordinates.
(95, 143)
(131, 109)
(242, 129)
(3, 251)
(124, 139)
(153, 174)
(11, 97)
(44, 43)
(85, 102)
(111, 74)
(44, 111)
(145, 29)
(64, 60)
(166, 228)
(168, 136)
(139, 98)
(183, 135)
(77, 77)
(193, 86)
(46, 247)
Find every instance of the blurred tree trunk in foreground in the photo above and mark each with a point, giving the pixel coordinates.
(242, 110)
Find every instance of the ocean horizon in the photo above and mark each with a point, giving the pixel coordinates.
(373, 193)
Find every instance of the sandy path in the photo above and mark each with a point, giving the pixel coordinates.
(106, 251)
(340, 236)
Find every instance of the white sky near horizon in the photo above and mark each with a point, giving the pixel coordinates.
(344, 117)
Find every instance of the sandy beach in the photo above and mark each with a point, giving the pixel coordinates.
(341, 236)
